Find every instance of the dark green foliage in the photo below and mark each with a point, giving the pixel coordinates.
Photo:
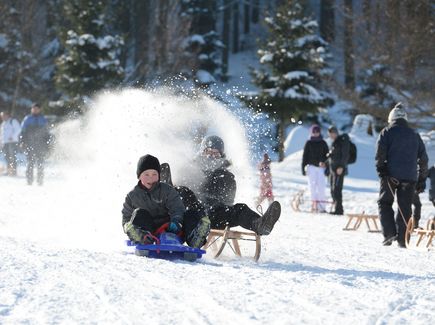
(91, 60)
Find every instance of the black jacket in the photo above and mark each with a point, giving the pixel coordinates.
(315, 151)
(400, 153)
(339, 153)
(432, 184)
(162, 201)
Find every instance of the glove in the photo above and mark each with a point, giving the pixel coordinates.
(304, 173)
(137, 234)
(420, 187)
(174, 227)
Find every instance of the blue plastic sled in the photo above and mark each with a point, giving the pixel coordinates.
(169, 248)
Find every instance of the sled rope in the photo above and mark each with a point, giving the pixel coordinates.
(396, 182)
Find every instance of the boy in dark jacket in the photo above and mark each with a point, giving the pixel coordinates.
(401, 163)
(337, 159)
(151, 204)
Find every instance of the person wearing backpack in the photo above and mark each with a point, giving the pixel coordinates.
(338, 158)
(402, 166)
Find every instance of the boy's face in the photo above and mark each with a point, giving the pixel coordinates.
(212, 153)
(149, 177)
(333, 135)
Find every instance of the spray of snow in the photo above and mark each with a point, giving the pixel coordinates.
(95, 162)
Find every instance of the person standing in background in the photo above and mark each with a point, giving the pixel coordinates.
(313, 165)
(35, 140)
(10, 131)
(401, 164)
(266, 186)
(338, 157)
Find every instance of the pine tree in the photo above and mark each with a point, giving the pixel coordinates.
(91, 61)
(204, 41)
(294, 57)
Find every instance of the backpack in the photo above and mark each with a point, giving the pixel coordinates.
(352, 153)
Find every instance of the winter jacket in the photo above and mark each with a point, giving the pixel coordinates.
(432, 184)
(10, 131)
(339, 153)
(315, 152)
(162, 201)
(34, 133)
(218, 187)
(399, 152)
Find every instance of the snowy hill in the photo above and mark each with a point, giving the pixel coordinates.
(62, 253)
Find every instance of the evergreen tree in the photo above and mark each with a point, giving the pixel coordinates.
(91, 60)
(294, 57)
(16, 63)
(204, 41)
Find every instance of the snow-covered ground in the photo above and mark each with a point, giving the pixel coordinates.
(63, 260)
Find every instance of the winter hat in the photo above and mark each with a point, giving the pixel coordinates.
(147, 162)
(332, 129)
(213, 142)
(314, 129)
(397, 112)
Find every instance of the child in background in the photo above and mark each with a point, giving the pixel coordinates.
(265, 181)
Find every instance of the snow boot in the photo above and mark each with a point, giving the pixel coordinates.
(198, 236)
(389, 240)
(165, 174)
(264, 225)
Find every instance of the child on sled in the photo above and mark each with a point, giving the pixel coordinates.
(151, 204)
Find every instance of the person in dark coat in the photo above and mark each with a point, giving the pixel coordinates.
(401, 163)
(152, 204)
(337, 160)
(35, 139)
(313, 164)
(216, 192)
(431, 176)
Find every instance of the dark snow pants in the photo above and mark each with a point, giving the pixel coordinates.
(35, 158)
(336, 186)
(236, 215)
(417, 208)
(405, 192)
(220, 216)
(145, 221)
(10, 151)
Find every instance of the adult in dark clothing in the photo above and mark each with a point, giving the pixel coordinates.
(35, 140)
(314, 163)
(216, 193)
(337, 160)
(152, 203)
(401, 163)
(432, 184)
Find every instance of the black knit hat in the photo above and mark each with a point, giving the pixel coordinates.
(147, 162)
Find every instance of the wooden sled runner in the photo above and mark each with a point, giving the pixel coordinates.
(429, 233)
(298, 200)
(218, 239)
(355, 220)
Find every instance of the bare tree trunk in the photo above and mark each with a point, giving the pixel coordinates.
(327, 20)
(281, 140)
(349, 63)
(367, 14)
(226, 38)
(162, 38)
(236, 27)
(246, 17)
(256, 11)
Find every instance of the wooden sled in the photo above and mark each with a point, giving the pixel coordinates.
(218, 239)
(355, 220)
(297, 200)
(429, 233)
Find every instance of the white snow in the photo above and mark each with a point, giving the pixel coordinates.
(61, 245)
